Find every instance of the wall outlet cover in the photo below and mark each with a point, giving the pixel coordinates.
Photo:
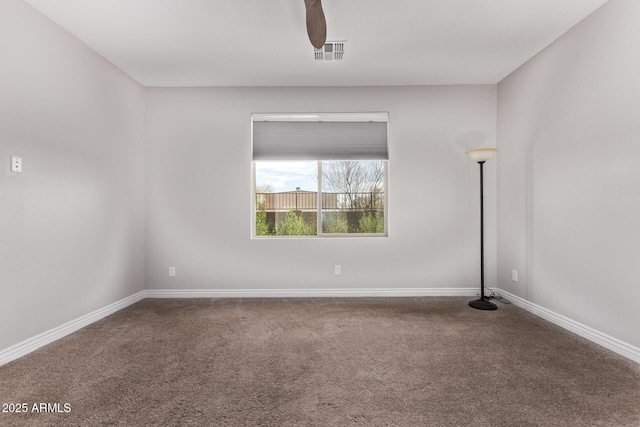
(16, 164)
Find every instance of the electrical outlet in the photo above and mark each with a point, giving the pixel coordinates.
(514, 275)
(16, 164)
(337, 270)
(172, 272)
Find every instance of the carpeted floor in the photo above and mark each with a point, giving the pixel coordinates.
(322, 362)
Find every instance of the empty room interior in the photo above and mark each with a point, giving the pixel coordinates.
(291, 212)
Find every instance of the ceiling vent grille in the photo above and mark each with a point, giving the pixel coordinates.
(330, 51)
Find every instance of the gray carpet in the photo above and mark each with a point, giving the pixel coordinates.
(323, 362)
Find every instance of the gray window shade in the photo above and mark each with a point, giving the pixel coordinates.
(295, 140)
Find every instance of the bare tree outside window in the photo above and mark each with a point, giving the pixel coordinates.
(357, 187)
(361, 183)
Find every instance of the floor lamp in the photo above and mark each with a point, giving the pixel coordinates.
(481, 155)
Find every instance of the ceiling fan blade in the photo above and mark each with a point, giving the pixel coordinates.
(316, 24)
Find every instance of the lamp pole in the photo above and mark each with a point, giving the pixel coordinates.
(481, 155)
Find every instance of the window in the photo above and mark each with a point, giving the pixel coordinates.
(286, 198)
(320, 174)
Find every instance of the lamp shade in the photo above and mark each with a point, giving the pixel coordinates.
(481, 154)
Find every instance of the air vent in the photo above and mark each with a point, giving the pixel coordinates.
(330, 51)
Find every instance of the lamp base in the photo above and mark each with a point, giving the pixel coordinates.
(483, 304)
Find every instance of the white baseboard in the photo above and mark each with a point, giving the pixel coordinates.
(309, 293)
(54, 334)
(27, 346)
(31, 344)
(617, 346)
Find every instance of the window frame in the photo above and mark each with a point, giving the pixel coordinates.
(357, 117)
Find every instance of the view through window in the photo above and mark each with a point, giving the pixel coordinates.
(315, 198)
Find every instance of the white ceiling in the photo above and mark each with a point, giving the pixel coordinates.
(264, 42)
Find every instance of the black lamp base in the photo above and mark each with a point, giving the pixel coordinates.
(483, 304)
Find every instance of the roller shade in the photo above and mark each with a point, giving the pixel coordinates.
(325, 140)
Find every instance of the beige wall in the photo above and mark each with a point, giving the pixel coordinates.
(199, 153)
(72, 223)
(569, 175)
